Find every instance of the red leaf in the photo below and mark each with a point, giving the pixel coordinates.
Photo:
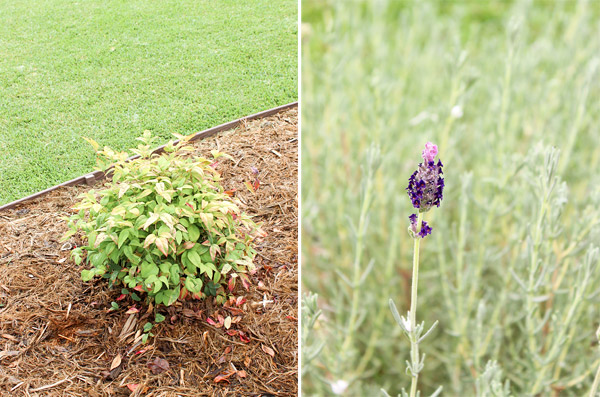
(133, 386)
(121, 297)
(240, 301)
(231, 332)
(256, 184)
(244, 338)
(291, 318)
(144, 350)
(224, 377)
(138, 288)
(230, 192)
(245, 281)
(183, 293)
(189, 205)
(132, 310)
(231, 284)
(210, 321)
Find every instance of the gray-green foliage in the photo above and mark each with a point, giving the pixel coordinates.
(510, 93)
(163, 226)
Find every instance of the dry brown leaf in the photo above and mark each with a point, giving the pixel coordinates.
(159, 365)
(268, 350)
(115, 362)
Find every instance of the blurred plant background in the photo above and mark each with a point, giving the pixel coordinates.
(510, 93)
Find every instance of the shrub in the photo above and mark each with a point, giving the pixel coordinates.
(164, 226)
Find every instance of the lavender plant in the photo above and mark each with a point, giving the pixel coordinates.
(426, 190)
(510, 270)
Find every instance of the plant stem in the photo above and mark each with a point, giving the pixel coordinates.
(594, 389)
(414, 345)
(360, 232)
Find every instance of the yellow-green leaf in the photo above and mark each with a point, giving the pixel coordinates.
(153, 218)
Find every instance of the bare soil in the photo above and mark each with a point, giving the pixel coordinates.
(58, 336)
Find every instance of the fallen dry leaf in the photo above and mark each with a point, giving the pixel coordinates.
(115, 362)
(241, 373)
(243, 337)
(268, 350)
(224, 377)
(159, 365)
(227, 322)
(133, 386)
(132, 310)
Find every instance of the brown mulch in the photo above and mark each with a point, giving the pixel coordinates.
(58, 336)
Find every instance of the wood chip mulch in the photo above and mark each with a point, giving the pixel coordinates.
(58, 336)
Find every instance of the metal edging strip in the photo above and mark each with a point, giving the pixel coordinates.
(93, 177)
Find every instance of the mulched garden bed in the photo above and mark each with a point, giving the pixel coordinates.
(59, 337)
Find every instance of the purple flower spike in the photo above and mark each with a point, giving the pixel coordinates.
(425, 228)
(426, 185)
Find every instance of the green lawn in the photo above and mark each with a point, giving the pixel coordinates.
(111, 69)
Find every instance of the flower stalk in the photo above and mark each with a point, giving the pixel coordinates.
(414, 343)
(425, 190)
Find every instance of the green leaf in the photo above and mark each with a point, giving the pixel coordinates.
(114, 306)
(194, 258)
(128, 251)
(122, 237)
(226, 268)
(87, 275)
(159, 318)
(193, 233)
(174, 272)
(147, 327)
(192, 284)
(148, 269)
(165, 267)
(148, 283)
(135, 297)
(172, 295)
(210, 289)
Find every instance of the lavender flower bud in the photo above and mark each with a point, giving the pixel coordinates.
(425, 228)
(426, 185)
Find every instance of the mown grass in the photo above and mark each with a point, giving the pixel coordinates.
(111, 69)
(511, 270)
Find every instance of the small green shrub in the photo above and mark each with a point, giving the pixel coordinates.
(164, 226)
